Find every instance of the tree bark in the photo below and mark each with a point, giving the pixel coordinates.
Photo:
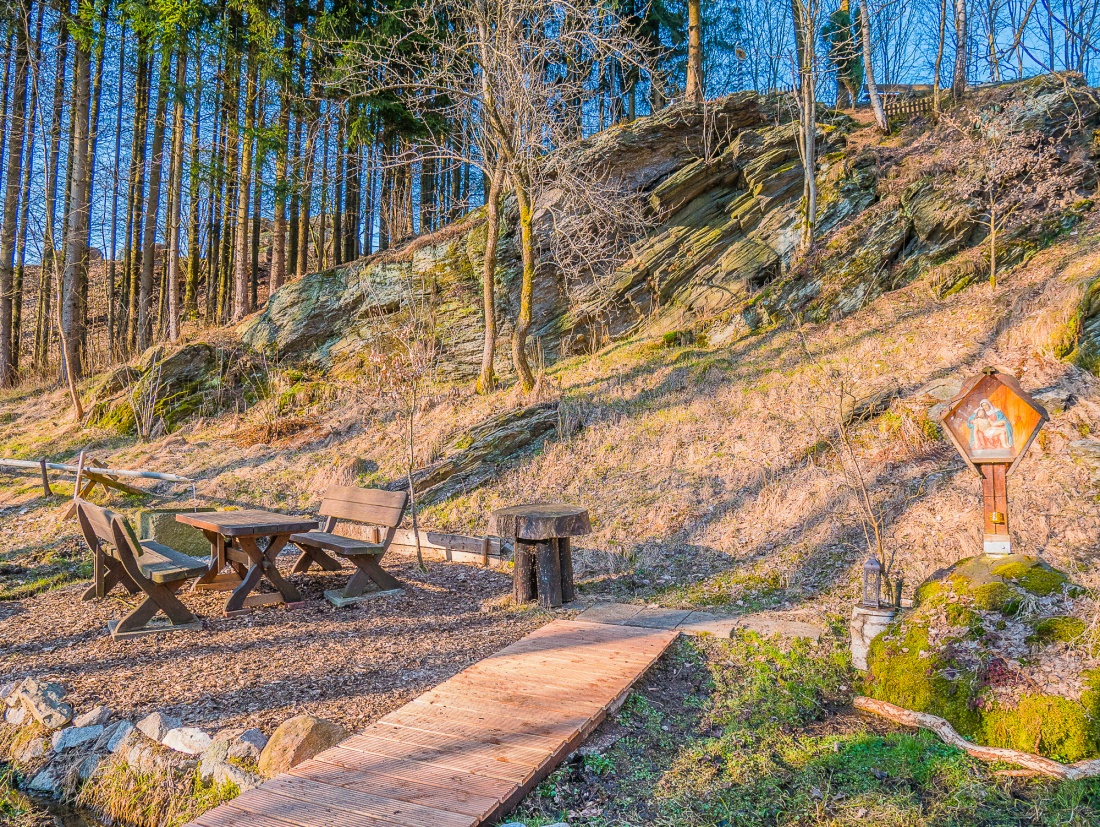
(175, 195)
(191, 287)
(12, 185)
(487, 380)
(71, 326)
(243, 259)
(937, 79)
(527, 284)
(132, 256)
(25, 197)
(958, 82)
(152, 207)
(47, 272)
(257, 202)
(112, 295)
(868, 67)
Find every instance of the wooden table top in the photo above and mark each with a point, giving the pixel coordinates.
(540, 521)
(248, 522)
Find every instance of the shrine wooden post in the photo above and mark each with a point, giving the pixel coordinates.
(992, 421)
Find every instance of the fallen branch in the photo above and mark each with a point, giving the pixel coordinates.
(947, 733)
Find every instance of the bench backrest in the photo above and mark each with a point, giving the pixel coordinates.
(102, 526)
(364, 505)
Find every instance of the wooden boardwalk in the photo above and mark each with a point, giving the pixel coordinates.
(466, 752)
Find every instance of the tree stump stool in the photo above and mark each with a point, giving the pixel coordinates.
(543, 560)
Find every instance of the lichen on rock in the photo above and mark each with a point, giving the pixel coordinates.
(998, 646)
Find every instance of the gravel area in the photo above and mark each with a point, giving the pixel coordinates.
(348, 665)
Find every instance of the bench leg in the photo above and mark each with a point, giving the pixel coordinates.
(367, 571)
(108, 574)
(311, 555)
(158, 598)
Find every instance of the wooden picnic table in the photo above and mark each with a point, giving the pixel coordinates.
(235, 542)
(543, 563)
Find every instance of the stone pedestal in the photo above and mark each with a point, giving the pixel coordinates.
(867, 622)
(160, 524)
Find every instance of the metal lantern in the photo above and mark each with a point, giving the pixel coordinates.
(872, 582)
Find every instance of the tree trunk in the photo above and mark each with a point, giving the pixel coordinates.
(135, 246)
(152, 207)
(427, 195)
(487, 380)
(958, 82)
(12, 182)
(868, 67)
(937, 71)
(338, 195)
(76, 230)
(49, 249)
(243, 259)
(295, 199)
(191, 288)
(25, 198)
(257, 203)
(527, 284)
(112, 296)
(175, 195)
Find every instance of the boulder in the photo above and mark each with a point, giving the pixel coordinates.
(100, 715)
(88, 766)
(225, 773)
(296, 740)
(74, 736)
(44, 702)
(161, 525)
(157, 725)
(33, 750)
(7, 690)
(248, 745)
(188, 740)
(987, 646)
(114, 735)
(46, 782)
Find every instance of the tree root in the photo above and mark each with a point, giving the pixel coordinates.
(1035, 763)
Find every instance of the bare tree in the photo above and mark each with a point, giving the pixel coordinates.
(499, 63)
(693, 90)
(807, 14)
(958, 81)
(868, 66)
(1007, 174)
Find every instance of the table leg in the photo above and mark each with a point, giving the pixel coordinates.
(263, 565)
(523, 572)
(565, 556)
(214, 580)
(549, 574)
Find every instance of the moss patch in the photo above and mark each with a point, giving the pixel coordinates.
(996, 597)
(1057, 630)
(1044, 724)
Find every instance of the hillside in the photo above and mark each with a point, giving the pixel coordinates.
(694, 400)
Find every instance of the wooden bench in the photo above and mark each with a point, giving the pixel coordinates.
(366, 506)
(120, 559)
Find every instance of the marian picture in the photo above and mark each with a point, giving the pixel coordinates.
(990, 432)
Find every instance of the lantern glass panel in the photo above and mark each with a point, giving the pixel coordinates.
(872, 582)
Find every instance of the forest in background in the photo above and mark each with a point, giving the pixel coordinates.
(195, 156)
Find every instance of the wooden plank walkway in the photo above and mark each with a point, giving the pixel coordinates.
(466, 752)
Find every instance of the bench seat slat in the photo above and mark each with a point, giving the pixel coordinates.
(162, 564)
(346, 546)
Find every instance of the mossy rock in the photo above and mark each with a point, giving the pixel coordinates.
(960, 651)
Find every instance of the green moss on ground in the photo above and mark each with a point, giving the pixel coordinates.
(756, 733)
(969, 608)
(1057, 630)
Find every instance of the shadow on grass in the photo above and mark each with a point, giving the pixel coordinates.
(754, 732)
